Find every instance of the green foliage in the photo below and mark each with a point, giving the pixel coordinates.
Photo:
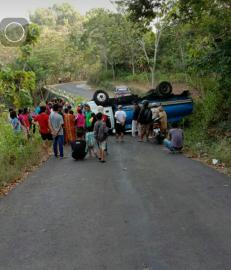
(57, 15)
(141, 77)
(43, 16)
(33, 34)
(17, 87)
(17, 153)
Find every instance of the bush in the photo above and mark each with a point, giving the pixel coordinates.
(221, 150)
(17, 153)
(106, 85)
(17, 87)
(141, 77)
(97, 77)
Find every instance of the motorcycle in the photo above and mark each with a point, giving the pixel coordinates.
(157, 133)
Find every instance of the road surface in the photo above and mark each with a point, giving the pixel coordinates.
(145, 209)
(76, 89)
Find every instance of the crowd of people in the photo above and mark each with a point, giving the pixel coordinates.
(144, 120)
(85, 131)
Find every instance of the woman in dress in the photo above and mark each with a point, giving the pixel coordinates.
(69, 127)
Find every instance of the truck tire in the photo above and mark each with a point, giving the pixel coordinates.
(164, 88)
(101, 98)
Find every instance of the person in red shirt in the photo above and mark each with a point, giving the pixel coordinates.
(24, 120)
(43, 119)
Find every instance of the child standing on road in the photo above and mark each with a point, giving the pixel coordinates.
(90, 141)
(101, 133)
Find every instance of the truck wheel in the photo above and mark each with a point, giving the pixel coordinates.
(101, 98)
(164, 88)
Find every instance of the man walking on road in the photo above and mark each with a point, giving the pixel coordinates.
(101, 133)
(56, 126)
(120, 117)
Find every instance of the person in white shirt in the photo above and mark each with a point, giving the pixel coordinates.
(120, 117)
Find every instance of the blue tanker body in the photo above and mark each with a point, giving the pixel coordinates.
(176, 108)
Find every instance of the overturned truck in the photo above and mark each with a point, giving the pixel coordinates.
(176, 106)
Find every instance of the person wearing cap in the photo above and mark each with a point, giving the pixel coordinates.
(120, 117)
(105, 118)
(135, 126)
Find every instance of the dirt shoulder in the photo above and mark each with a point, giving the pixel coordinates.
(142, 87)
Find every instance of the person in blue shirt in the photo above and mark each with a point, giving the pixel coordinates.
(15, 122)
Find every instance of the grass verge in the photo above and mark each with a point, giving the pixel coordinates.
(18, 156)
(214, 151)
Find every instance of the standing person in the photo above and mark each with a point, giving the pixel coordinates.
(9, 117)
(101, 133)
(37, 110)
(24, 124)
(136, 113)
(69, 127)
(48, 107)
(90, 138)
(105, 118)
(145, 120)
(90, 143)
(80, 121)
(56, 126)
(15, 122)
(79, 147)
(26, 118)
(120, 117)
(60, 111)
(88, 116)
(43, 121)
(163, 120)
(155, 111)
(175, 139)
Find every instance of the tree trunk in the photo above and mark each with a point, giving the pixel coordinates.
(157, 42)
(113, 71)
(183, 60)
(142, 43)
(133, 65)
(106, 65)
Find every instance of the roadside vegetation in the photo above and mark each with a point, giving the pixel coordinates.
(185, 42)
(18, 154)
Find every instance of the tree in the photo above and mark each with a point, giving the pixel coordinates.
(44, 16)
(154, 15)
(65, 14)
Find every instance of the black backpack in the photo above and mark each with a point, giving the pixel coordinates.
(101, 131)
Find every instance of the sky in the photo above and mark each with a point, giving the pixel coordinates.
(22, 8)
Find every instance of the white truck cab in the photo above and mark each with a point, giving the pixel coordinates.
(107, 110)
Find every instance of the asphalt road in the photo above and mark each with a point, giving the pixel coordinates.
(143, 209)
(77, 89)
